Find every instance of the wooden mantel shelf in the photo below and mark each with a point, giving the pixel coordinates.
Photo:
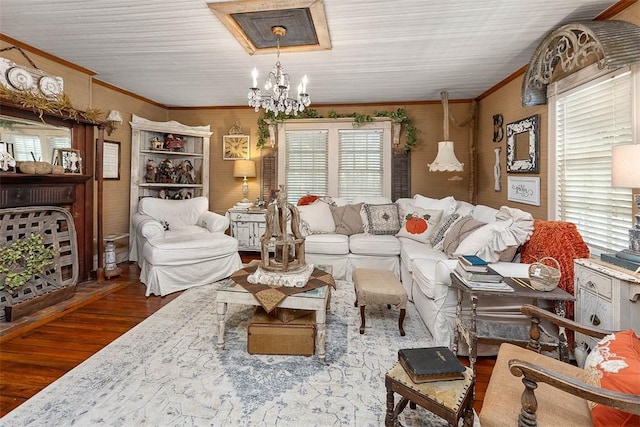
(19, 178)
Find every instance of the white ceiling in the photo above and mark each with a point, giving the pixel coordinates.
(177, 53)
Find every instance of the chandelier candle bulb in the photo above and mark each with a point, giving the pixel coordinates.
(254, 74)
(305, 80)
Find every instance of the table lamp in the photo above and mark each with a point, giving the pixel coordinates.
(244, 169)
(625, 172)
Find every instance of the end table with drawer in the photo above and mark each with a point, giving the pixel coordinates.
(247, 226)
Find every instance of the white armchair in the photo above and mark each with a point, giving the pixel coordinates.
(180, 243)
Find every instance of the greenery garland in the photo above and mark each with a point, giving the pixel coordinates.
(23, 259)
(398, 116)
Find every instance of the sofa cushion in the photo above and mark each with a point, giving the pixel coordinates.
(328, 244)
(183, 249)
(614, 364)
(376, 245)
(447, 204)
(417, 223)
(175, 213)
(458, 232)
(381, 219)
(499, 240)
(484, 214)
(307, 199)
(347, 219)
(440, 230)
(318, 218)
(412, 249)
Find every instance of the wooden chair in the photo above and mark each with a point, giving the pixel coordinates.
(554, 393)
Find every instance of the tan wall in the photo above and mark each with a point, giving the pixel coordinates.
(225, 190)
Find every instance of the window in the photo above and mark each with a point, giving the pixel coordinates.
(588, 115)
(334, 158)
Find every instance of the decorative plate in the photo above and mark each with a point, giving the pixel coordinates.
(49, 86)
(19, 78)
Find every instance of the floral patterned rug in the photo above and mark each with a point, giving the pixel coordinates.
(167, 372)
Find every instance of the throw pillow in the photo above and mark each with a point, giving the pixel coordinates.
(441, 229)
(447, 204)
(307, 200)
(614, 364)
(318, 218)
(457, 233)
(347, 219)
(380, 219)
(418, 223)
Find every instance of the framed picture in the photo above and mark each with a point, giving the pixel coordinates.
(70, 159)
(111, 160)
(524, 190)
(523, 145)
(235, 147)
(7, 159)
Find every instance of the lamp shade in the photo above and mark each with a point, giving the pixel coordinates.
(244, 169)
(625, 165)
(114, 116)
(446, 160)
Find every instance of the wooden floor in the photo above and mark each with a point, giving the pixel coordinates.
(42, 348)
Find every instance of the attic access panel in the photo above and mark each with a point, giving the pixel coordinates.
(250, 22)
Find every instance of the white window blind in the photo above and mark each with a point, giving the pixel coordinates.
(25, 146)
(360, 170)
(589, 120)
(306, 163)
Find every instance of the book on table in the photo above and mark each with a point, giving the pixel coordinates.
(490, 275)
(484, 286)
(430, 364)
(473, 263)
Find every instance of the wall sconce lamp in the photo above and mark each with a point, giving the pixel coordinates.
(626, 174)
(113, 117)
(244, 169)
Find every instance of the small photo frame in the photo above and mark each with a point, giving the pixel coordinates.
(70, 159)
(7, 159)
(235, 147)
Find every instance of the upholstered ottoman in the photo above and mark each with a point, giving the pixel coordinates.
(376, 286)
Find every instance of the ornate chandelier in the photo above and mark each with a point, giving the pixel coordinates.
(278, 101)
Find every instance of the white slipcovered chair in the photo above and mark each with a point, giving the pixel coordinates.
(180, 243)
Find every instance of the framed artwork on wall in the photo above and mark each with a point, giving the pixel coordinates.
(523, 145)
(235, 147)
(524, 190)
(111, 160)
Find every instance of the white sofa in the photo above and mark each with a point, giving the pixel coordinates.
(180, 243)
(424, 270)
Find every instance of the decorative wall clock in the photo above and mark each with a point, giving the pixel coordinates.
(235, 147)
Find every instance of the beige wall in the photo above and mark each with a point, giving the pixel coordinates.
(225, 190)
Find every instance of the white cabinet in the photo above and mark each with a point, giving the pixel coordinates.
(248, 226)
(606, 297)
(168, 160)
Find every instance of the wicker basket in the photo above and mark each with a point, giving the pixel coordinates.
(544, 277)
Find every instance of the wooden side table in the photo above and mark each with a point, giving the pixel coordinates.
(451, 400)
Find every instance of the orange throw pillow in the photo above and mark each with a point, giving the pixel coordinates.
(614, 364)
(307, 200)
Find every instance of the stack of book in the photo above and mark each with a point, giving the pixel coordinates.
(430, 364)
(477, 274)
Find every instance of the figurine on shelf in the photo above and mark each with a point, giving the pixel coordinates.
(162, 194)
(151, 171)
(156, 144)
(184, 173)
(182, 194)
(7, 162)
(173, 143)
(165, 172)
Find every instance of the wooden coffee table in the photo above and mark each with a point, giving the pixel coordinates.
(316, 299)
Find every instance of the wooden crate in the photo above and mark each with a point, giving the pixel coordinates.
(269, 335)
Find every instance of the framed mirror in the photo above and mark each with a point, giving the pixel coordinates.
(523, 152)
(33, 140)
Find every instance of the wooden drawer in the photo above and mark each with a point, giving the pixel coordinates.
(247, 217)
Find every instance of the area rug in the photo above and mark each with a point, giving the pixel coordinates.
(167, 372)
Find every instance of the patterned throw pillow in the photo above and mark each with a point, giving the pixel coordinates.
(347, 218)
(418, 223)
(441, 229)
(457, 233)
(614, 364)
(381, 219)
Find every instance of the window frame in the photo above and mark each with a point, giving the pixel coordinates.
(333, 126)
(590, 75)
